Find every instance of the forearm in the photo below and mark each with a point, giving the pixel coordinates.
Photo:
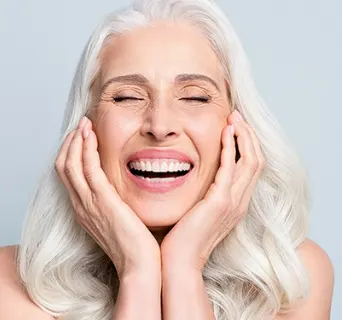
(138, 298)
(184, 297)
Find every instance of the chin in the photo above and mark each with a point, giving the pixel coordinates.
(156, 214)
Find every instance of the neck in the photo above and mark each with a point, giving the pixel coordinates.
(160, 232)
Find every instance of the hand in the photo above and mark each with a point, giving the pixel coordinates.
(191, 241)
(99, 208)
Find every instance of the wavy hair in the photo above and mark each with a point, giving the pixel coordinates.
(254, 273)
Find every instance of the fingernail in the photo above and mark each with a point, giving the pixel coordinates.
(82, 122)
(85, 133)
(237, 116)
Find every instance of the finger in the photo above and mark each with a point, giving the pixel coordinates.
(261, 160)
(64, 149)
(247, 164)
(60, 168)
(60, 160)
(74, 167)
(93, 172)
(223, 179)
(257, 148)
(89, 124)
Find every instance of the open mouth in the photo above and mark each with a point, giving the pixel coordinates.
(159, 170)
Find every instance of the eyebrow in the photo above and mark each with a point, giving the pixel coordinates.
(140, 79)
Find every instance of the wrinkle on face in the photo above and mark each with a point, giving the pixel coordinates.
(148, 61)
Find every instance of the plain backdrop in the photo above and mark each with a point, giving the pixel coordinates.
(295, 52)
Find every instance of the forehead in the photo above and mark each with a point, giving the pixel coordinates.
(160, 52)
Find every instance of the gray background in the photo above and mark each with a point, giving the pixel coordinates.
(295, 51)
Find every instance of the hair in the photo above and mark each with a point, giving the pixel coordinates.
(251, 274)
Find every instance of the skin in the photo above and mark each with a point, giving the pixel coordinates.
(90, 165)
(161, 120)
(115, 211)
(119, 216)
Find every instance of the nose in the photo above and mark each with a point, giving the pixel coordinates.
(160, 124)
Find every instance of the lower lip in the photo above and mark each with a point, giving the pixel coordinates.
(160, 186)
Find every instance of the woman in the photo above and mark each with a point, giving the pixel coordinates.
(177, 196)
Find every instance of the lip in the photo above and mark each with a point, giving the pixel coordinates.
(159, 187)
(159, 154)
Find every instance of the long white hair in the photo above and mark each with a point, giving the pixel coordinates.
(252, 274)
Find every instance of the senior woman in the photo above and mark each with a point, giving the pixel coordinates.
(174, 193)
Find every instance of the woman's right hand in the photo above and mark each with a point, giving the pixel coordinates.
(99, 208)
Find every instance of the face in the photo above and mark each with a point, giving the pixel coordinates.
(162, 104)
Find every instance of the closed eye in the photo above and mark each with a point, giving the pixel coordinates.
(201, 99)
(122, 98)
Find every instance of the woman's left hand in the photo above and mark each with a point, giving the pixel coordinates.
(191, 241)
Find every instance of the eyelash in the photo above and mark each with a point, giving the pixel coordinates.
(200, 99)
(121, 98)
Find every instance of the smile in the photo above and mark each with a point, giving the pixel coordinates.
(159, 171)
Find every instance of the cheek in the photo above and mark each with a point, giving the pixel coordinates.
(206, 133)
(113, 129)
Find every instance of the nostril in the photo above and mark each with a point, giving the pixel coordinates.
(161, 135)
(171, 134)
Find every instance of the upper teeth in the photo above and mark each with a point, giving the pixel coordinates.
(160, 165)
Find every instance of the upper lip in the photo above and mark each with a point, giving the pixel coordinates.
(159, 154)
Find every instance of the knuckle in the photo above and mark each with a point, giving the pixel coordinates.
(253, 164)
(221, 204)
(59, 165)
(78, 209)
(89, 200)
(70, 168)
(88, 167)
(88, 173)
(93, 198)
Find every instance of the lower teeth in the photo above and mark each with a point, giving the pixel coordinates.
(156, 179)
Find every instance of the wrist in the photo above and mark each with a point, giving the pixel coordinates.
(176, 266)
(179, 273)
(152, 280)
(139, 294)
(150, 269)
(149, 277)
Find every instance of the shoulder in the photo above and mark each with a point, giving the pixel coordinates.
(321, 274)
(14, 302)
